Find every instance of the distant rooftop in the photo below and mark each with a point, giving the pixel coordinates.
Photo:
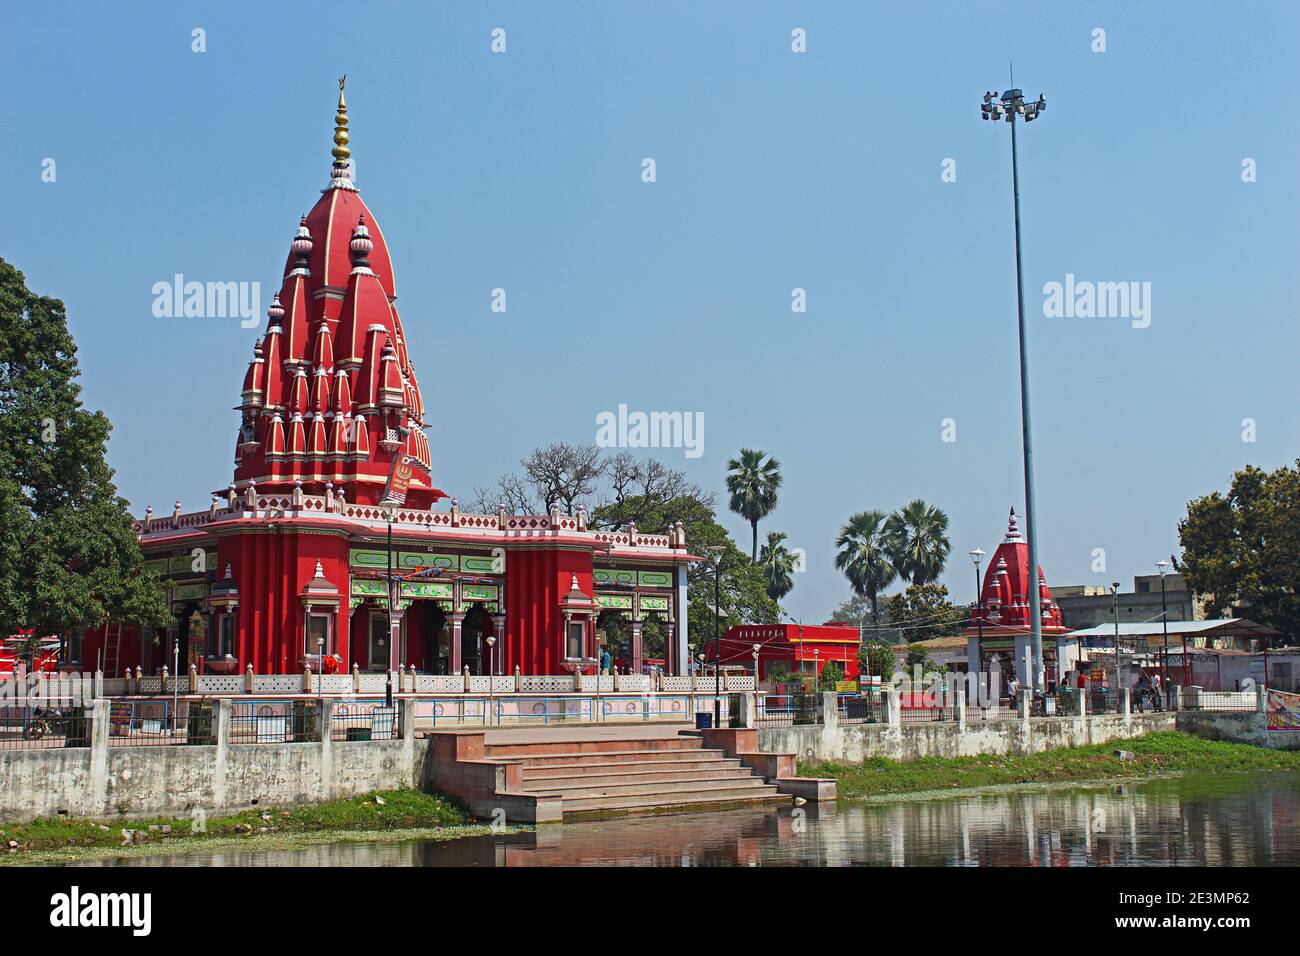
(1220, 627)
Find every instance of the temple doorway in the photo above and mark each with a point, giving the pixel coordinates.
(189, 638)
(614, 634)
(654, 641)
(474, 631)
(425, 640)
(377, 641)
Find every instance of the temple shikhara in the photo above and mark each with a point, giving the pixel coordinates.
(1005, 603)
(333, 484)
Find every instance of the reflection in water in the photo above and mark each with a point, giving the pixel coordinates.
(1215, 821)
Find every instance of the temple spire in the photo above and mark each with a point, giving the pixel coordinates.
(340, 150)
(341, 173)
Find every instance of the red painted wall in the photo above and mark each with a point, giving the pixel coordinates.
(536, 582)
(271, 569)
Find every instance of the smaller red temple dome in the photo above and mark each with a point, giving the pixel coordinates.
(1007, 597)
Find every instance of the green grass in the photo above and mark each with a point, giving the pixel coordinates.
(403, 809)
(1165, 752)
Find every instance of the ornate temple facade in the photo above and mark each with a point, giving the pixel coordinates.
(290, 565)
(1005, 603)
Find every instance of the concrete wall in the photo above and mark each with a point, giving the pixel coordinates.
(1237, 727)
(857, 742)
(132, 782)
(1079, 611)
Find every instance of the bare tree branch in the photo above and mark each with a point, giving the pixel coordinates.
(564, 473)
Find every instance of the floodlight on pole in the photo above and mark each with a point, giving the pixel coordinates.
(1007, 107)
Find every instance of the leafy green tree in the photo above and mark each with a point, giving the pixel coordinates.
(918, 656)
(878, 659)
(753, 481)
(918, 541)
(654, 639)
(69, 557)
(855, 610)
(865, 557)
(780, 674)
(1242, 549)
(832, 673)
(923, 611)
(778, 564)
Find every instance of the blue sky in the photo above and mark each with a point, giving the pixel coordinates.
(775, 170)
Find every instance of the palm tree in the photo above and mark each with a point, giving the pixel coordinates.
(866, 556)
(919, 537)
(752, 484)
(778, 565)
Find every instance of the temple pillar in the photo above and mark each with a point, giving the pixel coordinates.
(634, 651)
(395, 640)
(454, 621)
(677, 648)
(497, 656)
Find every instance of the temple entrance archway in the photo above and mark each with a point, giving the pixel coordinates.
(654, 637)
(474, 632)
(368, 637)
(188, 637)
(425, 637)
(614, 634)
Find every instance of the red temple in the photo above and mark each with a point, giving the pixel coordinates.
(1006, 606)
(292, 557)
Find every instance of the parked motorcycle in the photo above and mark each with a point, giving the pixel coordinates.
(45, 720)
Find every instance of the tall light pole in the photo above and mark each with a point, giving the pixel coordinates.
(1163, 568)
(977, 555)
(1011, 105)
(1114, 594)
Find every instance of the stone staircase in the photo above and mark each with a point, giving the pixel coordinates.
(571, 774)
(647, 775)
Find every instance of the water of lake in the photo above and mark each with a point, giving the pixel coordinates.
(1218, 820)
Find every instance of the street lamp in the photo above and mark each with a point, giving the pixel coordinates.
(798, 624)
(756, 649)
(1011, 105)
(1163, 568)
(491, 641)
(716, 551)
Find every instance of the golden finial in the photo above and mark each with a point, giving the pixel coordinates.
(340, 150)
